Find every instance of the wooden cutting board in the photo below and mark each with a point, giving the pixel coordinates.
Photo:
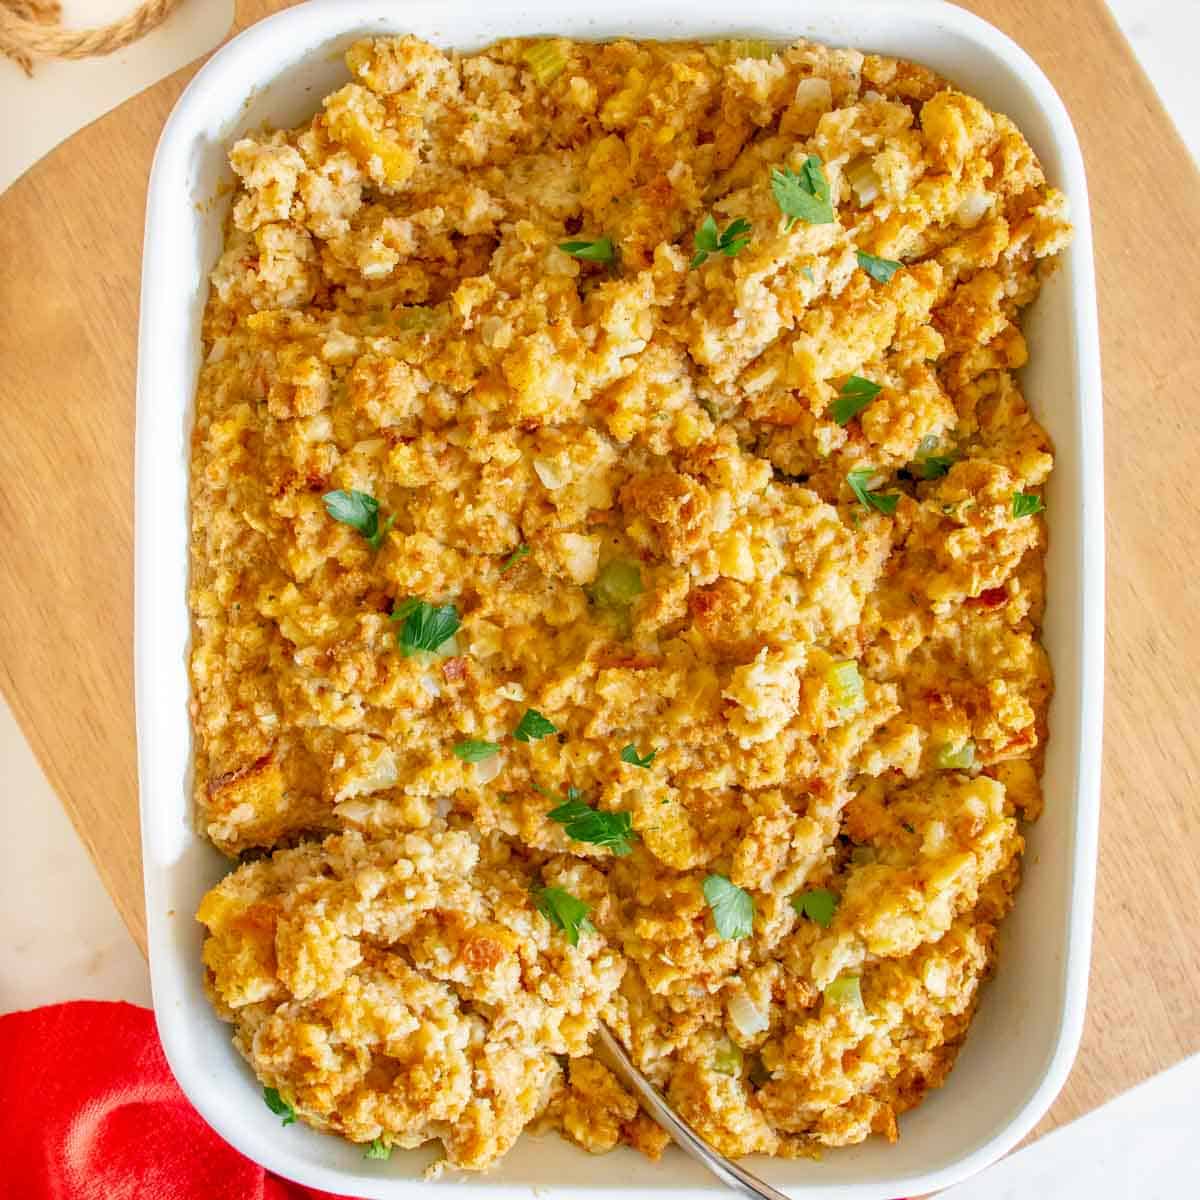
(70, 238)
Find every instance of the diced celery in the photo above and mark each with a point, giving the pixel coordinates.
(727, 1058)
(547, 60)
(731, 49)
(617, 585)
(863, 179)
(952, 757)
(416, 318)
(845, 990)
(846, 684)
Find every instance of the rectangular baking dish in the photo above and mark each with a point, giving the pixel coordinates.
(1024, 1038)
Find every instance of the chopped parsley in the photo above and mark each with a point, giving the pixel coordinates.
(817, 904)
(360, 511)
(474, 750)
(583, 823)
(533, 727)
(424, 627)
(378, 1149)
(853, 396)
(879, 269)
(279, 1106)
(732, 908)
(803, 196)
(564, 911)
(1025, 504)
(515, 557)
(708, 241)
(935, 466)
(630, 755)
(859, 481)
(601, 250)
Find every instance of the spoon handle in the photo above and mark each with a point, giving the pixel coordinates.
(686, 1138)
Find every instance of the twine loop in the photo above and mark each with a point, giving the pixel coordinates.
(30, 30)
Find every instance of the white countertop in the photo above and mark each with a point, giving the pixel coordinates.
(62, 937)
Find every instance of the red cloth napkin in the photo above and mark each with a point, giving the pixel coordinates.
(89, 1110)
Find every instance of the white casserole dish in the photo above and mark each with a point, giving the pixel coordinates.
(1028, 1026)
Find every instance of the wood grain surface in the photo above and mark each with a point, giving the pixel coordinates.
(70, 239)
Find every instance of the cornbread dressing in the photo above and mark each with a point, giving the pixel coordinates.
(631, 476)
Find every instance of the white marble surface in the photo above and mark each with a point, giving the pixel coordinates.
(60, 937)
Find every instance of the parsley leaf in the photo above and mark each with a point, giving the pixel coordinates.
(803, 196)
(879, 269)
(564, 911)
(732, 908)
(1025, 504)
(279, 1106)
(515, 557)
(360, 511)
(533, 727)
(378, 1149)
(424, 627)
(818, 904)
(601, 250)
(708, 241)
(474, 750)
(859, 480)
(935, 466)
(583, 823)
(630, 755)
(853, 396)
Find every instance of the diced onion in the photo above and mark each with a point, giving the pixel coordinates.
(973, 208)
(430, 685)
(813, 92)
(356, 811)
(863, 179)
(339, 346)
(488, 768)
(748, 1019)
(552, 479)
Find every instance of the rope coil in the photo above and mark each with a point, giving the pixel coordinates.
(30, 30)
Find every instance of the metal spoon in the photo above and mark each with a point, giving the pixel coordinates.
(686, 1138)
